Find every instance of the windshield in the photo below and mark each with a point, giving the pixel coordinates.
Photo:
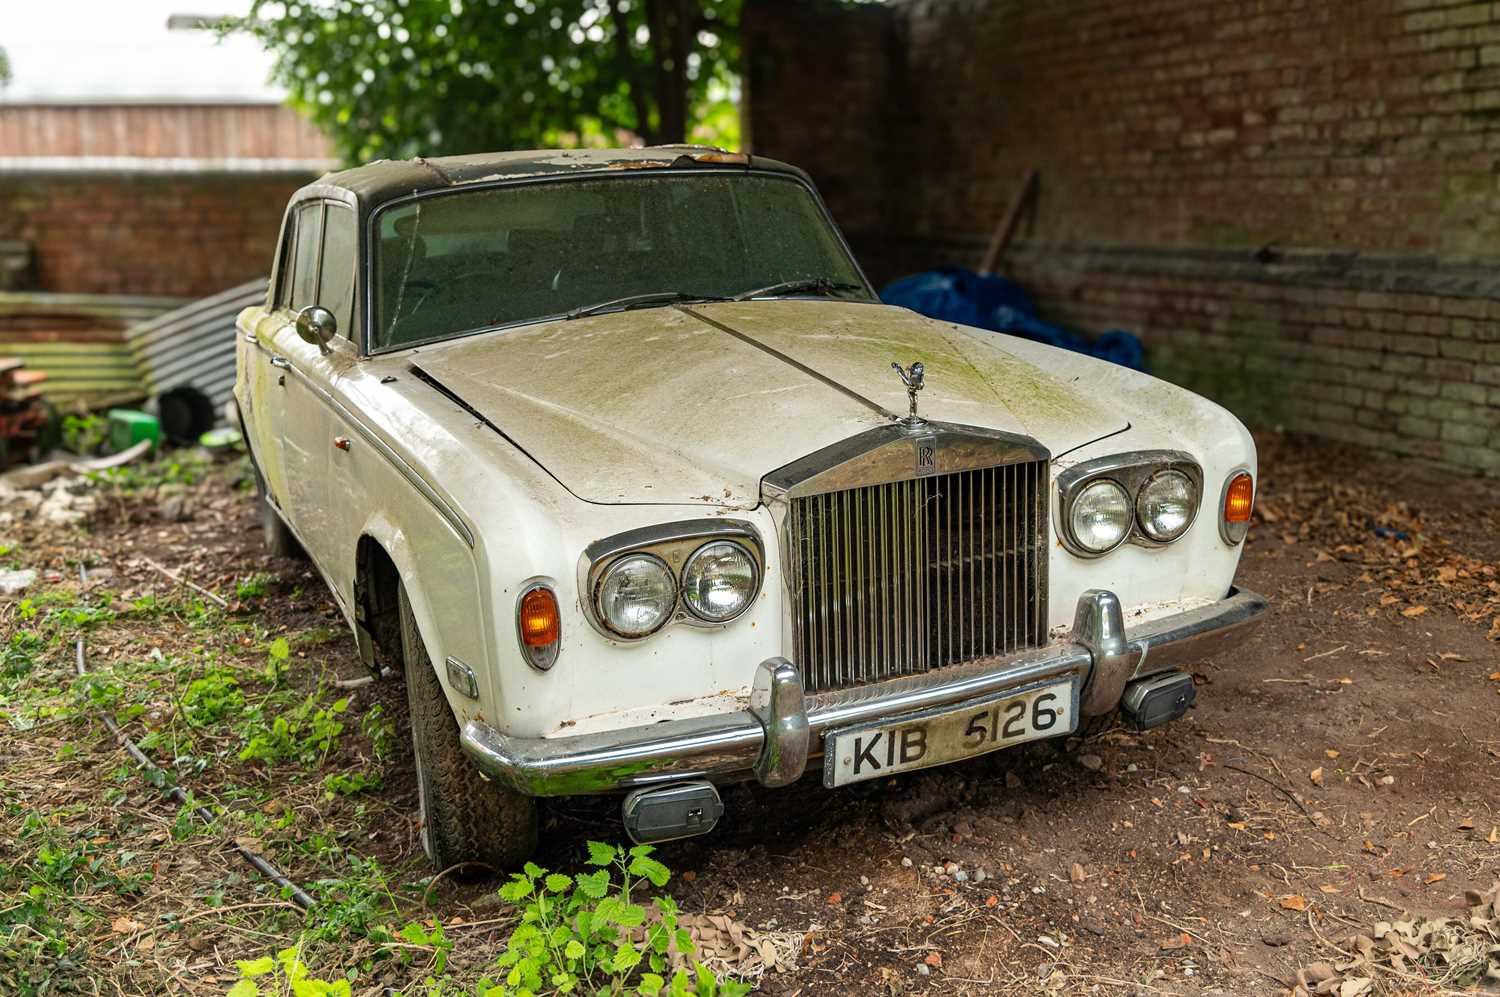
(453, 263)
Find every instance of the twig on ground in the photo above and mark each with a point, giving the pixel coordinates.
(186, 581)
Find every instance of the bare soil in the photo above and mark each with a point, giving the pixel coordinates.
(1342, 767)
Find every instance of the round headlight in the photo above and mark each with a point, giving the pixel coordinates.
(636, 595)
(1100, 517)
(1166, 506)
(719, 581)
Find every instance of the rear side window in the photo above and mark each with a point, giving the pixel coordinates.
(305, 256)
(336, 286)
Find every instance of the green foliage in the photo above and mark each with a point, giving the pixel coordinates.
(277, 654)
(398, 78)
(286, 973)
(578, 933)
(182, 467)
(253, 586)
(377, 725)
(305, 734)
(212, 697)
(341, 784)
(84, 434)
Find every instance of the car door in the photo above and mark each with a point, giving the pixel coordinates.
(325, 435)
(304, 420)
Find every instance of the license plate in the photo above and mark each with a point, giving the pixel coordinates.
(948, 734)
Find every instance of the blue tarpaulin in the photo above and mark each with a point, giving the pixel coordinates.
(987, 301)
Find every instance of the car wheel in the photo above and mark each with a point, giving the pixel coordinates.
(465, 817)
(278, 537)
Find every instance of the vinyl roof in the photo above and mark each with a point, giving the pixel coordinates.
(386, 179)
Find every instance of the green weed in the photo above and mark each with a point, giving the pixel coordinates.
(576, 933)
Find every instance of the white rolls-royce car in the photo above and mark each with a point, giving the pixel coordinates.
(618, 459)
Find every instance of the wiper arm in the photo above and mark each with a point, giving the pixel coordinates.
(641, 301)
(821, 285)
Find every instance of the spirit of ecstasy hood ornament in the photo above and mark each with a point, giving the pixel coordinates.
(912, 378)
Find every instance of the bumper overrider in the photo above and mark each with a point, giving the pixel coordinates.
(773, 740)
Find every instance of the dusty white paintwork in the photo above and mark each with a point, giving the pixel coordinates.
(650, 416)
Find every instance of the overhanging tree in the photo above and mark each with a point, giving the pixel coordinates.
(398, 78)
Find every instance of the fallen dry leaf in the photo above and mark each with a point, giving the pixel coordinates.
(1293, 901)
(992, 901)
(1328, 888)
(1181, 941)
(1076, 874)
(1316, 776)
(1330, 753)
(125, 924)
(835, 898)
(1411, 611)
(934, 959)
(1436, 877)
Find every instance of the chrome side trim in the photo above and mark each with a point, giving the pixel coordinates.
(763, 740)
(674, 544)
(887, 454)
(1130, 470)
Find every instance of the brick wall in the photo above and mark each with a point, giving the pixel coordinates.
(1295, 204)
(189, 131)
(144, 234)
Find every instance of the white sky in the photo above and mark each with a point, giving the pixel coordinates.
(86, 50)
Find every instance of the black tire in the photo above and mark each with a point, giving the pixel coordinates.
(277, 536)
(465, 817)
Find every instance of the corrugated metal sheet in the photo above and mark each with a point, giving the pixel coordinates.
(79, 341)
(193, 346)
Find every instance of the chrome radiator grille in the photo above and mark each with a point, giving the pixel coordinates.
(901, 578)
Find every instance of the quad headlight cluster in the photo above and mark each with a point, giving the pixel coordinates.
(703, 572)
(1148, 497)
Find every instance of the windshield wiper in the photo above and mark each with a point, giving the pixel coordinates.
(641, 301)
(821, 285)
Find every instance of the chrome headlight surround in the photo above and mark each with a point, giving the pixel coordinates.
(674, 544)
(1130, 471)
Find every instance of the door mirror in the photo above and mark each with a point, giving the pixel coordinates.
(316, 325)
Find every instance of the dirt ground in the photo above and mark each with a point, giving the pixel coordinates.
(1342, 768)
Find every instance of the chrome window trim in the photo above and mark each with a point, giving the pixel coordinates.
(1130, 470)
(540, 658)
(674, 544)
(887, 455)
(1224, 534)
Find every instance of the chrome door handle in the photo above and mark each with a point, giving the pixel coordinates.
(282, 362)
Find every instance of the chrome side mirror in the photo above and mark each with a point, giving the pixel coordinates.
(316, 325)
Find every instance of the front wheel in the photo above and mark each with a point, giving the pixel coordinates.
(465, 818)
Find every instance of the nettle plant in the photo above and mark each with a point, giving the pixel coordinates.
(585, 934)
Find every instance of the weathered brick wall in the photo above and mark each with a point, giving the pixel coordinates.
(144, 234)
(1294, 203)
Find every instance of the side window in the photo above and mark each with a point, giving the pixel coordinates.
(284, 264)
(336, 285)
(305, 262)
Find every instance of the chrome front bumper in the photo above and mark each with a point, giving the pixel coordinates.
(782, 730)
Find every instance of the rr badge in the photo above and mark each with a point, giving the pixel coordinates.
(926, 447)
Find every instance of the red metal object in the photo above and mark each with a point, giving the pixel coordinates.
(24, 417)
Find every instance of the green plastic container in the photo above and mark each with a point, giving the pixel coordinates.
(127, 427)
